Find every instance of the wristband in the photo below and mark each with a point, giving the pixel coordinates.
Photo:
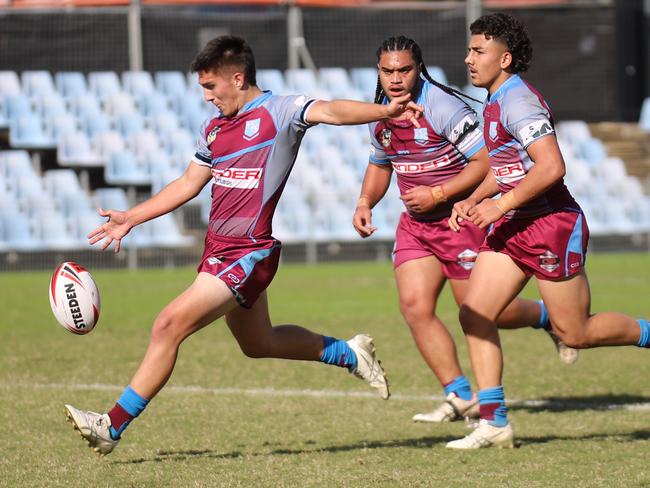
(363, 201)
(438, 194)
(507, 202)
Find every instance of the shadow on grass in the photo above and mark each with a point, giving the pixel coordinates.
(422, 442)
(579, 403)
(637, 435)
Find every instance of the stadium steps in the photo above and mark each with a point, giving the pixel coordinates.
(628, 142)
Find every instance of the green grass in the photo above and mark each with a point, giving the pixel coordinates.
(209, 437)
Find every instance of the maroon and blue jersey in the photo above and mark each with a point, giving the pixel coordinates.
(449, 134)
(251, 155)
(515, 116)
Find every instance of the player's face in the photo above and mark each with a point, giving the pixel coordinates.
(487, 60)
(398, 73)
(223, 90)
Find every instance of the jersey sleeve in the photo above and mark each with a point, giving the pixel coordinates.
(527, 120)
(377, 153)
(203, 155)
(455, 121)
(291, 111)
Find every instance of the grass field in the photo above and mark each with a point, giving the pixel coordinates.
(225, 420)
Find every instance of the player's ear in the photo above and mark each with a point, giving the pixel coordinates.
(238, 79)
(506, 60)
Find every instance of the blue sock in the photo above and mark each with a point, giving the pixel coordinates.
(128, 407)
(544, 322)
(644, 338)
(492, 406)
(337, 352)
(460, 387)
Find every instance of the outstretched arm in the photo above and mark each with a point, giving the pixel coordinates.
(179, 191)
(350, 112)
(375, 183)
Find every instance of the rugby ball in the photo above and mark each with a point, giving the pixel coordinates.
(74, 298)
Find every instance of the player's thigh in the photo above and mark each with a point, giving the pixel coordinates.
(249, 326)
(568, 301)
(494, 282)
(459, 290)
(419, 282)
(206, 299)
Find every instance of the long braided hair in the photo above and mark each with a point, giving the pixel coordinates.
(402, 43)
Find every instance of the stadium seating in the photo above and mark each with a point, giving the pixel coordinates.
(141, 129)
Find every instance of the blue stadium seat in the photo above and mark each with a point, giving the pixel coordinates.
(50, 106)
(143, 142)
(95, 123)
(119, 103)
(644, 117)
(337, 83)
(138, 83)
(27, 132)
(165, 233)
(74, 149)
(52, 229)
(17, 106)
(178, 141)
(365, 79)
(37, 83)
(71, 84)
(171, 83)
(106, 143)
(111, 198)
(58, 125)
(60, 182)
(592, 150)
(28, 187)
(128, 123)
(9, 83)
(153, 104)
(104, 84)
(123, 168)
(438, 74)
(164, 123)
(84, 105)
(303, 81)
(272, 79)
(18, 233)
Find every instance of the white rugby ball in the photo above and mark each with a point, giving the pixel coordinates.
(74, 298)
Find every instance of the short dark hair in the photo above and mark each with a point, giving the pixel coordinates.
(508, 30)
(226, 51)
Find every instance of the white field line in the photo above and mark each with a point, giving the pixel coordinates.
(270, 392)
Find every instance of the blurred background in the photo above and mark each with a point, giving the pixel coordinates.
(97, 108)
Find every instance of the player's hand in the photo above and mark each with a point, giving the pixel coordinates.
(419, 199)
(403, 105)
(114, 229)
(460, 212)
(485, 213)
(362, 221)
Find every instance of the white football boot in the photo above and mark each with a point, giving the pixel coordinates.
(485, 435)
(368, 367)
(452, 409)
(93, 427)
(568, 355)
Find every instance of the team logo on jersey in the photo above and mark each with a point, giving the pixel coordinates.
(212, 135)
(534, 131)
(463, 127)
(492, 132)
(420, 135)
(385, 137)
(549, 261)
(252, 129)
(466, 259)
(244, 178)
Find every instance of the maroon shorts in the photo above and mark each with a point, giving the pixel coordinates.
(550, 247)
(246, 266)
(456, 251)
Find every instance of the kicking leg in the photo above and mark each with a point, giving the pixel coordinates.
(258, 338)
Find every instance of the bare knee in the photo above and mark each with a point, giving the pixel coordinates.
(472, 322)
(254, 349)
(166, 329)
(577, 338)
(415, 310)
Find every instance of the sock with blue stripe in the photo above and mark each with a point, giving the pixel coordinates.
(128, 407)
(492, 406)
(644, 338)
(544, 322)
(459, 386)
(338, 353)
